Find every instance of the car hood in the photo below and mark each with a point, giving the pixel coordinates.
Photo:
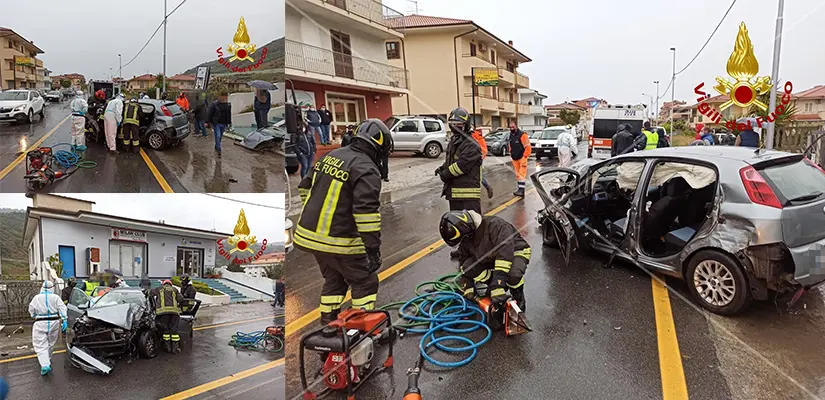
(121, 315)
(11, 103)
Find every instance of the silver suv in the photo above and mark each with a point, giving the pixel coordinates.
(425, 135)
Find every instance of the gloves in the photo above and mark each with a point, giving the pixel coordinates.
(497, 293)
(438, 171)
(374, 257)
(118, 124)
(65, 325)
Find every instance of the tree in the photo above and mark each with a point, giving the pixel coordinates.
(783, 120)
(569, 117)
(65, 83)
(233, 267)
(56, 264)
(274, 271)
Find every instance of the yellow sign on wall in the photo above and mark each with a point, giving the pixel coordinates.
(485, 76)
(24, 61)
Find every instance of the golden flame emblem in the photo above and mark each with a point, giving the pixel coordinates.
(242, 49)
(743, 67)
(242, 241)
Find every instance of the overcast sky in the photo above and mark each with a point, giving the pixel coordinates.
(74, 42)
(615, 49)
(188, 210)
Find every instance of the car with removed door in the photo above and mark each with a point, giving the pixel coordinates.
(418, 134)
(20, 105)
(736, 224)
(163, 125)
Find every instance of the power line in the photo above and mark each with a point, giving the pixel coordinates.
(244, 202)
(709, 38)
(668, 87)
(153, 35)
(176, 8)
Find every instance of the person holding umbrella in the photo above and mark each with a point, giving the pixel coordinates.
(263, 102)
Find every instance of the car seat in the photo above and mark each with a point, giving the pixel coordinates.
(664, 211)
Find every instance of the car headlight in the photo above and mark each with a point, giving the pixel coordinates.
(20, 107)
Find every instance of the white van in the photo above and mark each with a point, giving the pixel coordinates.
(605, 123)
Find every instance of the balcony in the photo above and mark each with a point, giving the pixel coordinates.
(522, 80)
(483, 102)
(467, 62)
(523, 109)
(346, 69)
(536, 110)
(373, 17)
(507, 107)
(38, 63)
(506, 77)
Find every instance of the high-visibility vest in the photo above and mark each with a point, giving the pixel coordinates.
(131, 114)
(90, 287)
(163, 308)
(652, 139)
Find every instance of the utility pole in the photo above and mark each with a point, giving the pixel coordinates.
(657, 100)
(777, 46)
(672, 89)
(119, 71)
(164, 45)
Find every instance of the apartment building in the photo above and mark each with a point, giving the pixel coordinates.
(589, 104)
(141, 82)
(553, 111)
(76, 79)
(18, 61)
(441, 54)
(339, 54)
(181, 82)
(810, 105)
(532, 115)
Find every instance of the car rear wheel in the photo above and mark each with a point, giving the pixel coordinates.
(432, 150)
(548, 236)
(718, 282)
(156, 140)
(148, 344)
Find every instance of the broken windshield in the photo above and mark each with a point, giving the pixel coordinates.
(114, 297)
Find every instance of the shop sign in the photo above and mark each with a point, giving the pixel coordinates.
(128, 235)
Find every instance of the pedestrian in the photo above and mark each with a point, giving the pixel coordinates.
(651, 138)
(313, 122)
(621, 141)
(132, 115)
(79, 109)
(279, 292)
(707, 136)
(164, 96)
(461, 171)
(520, 150)
(663, 140)
(566, 145)
(304, 148)
(340, 223)
(220, 117)
(263, 103)
(187, 290)
(491, 251)
(183, 102)
(113, 118)
(384, 166)
(66, 293)
(326, 120)
(167, 301)
(200, 111)
(347, 138)
(747, 138)
(482, 144)
(49, 315)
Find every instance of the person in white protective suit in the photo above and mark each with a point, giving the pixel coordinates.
(49, 315)
(566, 144)
(112, 119)
(79, 108)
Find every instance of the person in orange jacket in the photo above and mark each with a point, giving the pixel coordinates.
(483, 145)
(183, 102)
(520, 150)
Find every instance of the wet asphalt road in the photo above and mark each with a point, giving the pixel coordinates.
(192, 166)
(204, 359)
(595, 331)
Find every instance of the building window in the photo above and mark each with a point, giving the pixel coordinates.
(473, 49)
(345, 112)
(11, 46)
(701, 118)
(392, 51)
(493, 56)
(431, 126)
(511, 67)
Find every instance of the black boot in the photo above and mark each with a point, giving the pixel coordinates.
(454, 254)
(136, 148)
(175, 347)
(326, 318)
(519, 192)
(126, 148)
(518, 296)
(167, 346)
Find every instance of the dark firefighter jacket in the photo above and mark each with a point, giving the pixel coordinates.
(131, 114)
(341, 200)
(495, 242)
(188, 291)
(461, 171)
(166, 300)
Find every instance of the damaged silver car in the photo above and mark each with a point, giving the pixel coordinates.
(735, 223)
(119, 323)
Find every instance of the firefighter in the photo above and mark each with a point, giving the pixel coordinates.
(340, 223)
(491, 251)
(167, 301)
(131, 126)
(461, 171)
(520, 150)
(187, 290)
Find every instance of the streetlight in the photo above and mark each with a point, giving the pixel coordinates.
(657, 99)
(119, 70)
(651, 101)
(672, 88)
(164, 45)
(777, 46)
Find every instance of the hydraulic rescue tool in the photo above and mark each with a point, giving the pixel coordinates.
(39, 170)
(347, 346)
(413, 392)
(509, 316)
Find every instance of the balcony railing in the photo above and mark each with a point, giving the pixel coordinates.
(372, 10)
(522, 80)
(326, 62)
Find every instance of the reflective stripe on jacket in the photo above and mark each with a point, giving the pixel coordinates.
(652, 139)
(167, 300)
(462, 169)
(130, 114)
(495, 242)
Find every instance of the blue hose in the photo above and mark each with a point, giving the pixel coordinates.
(69, 159)
(258, 340)
(438, 310)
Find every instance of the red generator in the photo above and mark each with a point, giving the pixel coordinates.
(347, 346)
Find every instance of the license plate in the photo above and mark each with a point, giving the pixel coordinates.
(185, 130)
(603, 153)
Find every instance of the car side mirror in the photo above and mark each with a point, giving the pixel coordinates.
(84, 305)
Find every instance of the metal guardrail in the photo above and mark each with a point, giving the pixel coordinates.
(318, 60)
(372, 10)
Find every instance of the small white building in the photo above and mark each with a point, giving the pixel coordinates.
(536, 118)
(87, 242)
(257, 268)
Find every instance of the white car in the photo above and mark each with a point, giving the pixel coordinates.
(425, 135)
(20, 105)
(544, 142)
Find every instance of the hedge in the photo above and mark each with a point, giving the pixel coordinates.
(200, 287)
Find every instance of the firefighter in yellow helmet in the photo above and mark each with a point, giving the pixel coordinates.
(167, 302)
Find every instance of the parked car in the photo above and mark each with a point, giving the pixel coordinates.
(727, 220)
(424, 135)
(21, 105)
(546, 141)
(67, 92)
(54, 95)
(498, 142)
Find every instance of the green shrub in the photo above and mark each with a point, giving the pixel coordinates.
(200, 287)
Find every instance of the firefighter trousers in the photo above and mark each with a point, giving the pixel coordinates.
(464, 204)
(130, 135)
(341, 273)
(168, 326)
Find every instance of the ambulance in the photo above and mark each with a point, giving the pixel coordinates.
(605, 122)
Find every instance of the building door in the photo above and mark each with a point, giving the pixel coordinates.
(128, 257)
(342, 54)
(66, 255)
(190, 261)
(344, 112)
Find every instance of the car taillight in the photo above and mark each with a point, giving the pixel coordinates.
(165, 111)
(757, 189)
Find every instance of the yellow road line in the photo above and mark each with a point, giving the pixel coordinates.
(305, 319)
(36, 144)
(223, 381)
(161, 180)
(30, 356)
(674, 386)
